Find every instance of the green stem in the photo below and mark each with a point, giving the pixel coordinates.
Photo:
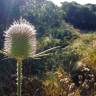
(19, 77)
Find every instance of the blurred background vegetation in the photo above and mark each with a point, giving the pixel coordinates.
(67, 71)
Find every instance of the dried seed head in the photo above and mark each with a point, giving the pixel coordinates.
(20, 39)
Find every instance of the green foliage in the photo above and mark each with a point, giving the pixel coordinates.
(81, 16)
(85, 47)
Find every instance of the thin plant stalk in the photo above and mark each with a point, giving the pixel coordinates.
(19, 77)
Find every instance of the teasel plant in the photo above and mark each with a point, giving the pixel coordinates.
(20, 43)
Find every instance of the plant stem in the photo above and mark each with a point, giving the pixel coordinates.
(19, 77)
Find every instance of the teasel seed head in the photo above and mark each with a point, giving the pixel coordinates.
(20, 39)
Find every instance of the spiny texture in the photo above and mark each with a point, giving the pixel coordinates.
(20, 39)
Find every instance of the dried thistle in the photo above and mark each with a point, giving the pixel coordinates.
(20, 43)
(20, 39)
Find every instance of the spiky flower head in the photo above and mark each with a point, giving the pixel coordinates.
(20, 39)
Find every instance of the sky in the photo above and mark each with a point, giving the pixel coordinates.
(57, 2)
